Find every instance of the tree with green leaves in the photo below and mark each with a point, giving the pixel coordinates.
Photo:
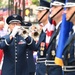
(35, 2)
(48, 0)
(3, 3)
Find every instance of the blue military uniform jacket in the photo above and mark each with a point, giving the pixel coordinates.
(51, 53)
(30, 60)
(15, 55)
(41, 54)
(53, 69)
(41, 40)
(69, 56)
(69, 51)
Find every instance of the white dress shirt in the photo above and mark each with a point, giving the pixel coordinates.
(47, 27)
(74, 28)
(57, 38)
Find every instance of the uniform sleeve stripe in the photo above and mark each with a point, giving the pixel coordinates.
(30, 42)
(6, 43)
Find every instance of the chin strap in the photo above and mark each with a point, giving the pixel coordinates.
(43, 15)
(71, 16)
(56, 13)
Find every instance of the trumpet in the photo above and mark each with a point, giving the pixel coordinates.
(24, 30)
(35, 34)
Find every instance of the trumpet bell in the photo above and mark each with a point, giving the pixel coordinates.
(36, 34)
(23, 30)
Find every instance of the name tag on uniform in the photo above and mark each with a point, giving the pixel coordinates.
(21, 42)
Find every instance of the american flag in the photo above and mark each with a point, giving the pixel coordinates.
(28, 2)
(21, 4)
(1, 12)
(16, 1)
(5, 12)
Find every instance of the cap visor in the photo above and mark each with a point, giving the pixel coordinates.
(56, 3)
(41, 8)
(69, 5)
(15, 21)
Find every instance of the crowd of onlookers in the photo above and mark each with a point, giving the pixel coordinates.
(3, 31)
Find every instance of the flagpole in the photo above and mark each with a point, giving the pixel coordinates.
(19, 10)
(12, 6)
(16, 8)
(23, 9)
(8, 7)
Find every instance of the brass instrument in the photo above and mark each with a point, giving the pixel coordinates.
(24, 30)
(35, 32)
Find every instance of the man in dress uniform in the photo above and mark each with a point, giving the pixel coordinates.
(29, 56)
(69, 48)
(56, 14)
(43, 14)
(14, 46)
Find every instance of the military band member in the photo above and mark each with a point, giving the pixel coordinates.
(29, 56)
(56, 14)
(14, 46)
(69, 48)
(43, 14)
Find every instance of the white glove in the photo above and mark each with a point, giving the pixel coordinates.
(15, 31)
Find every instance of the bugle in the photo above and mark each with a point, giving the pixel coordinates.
(23, 30)
(35, 34)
